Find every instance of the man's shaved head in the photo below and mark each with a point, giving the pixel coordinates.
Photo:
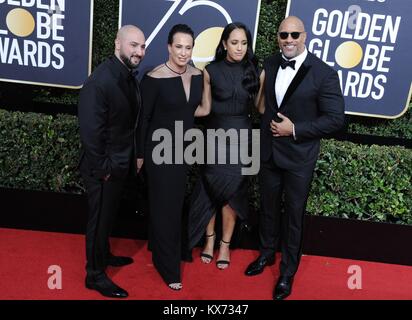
(124, 31)
(292, 21)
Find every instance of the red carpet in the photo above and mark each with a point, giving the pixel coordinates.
(27, 255)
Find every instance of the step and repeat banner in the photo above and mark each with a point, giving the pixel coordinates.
(47, 42)
(206, 18)
(369, 43)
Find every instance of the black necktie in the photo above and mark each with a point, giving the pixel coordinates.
(287, 63)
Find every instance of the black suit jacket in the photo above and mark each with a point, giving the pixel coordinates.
(108, 110)
(313, 102)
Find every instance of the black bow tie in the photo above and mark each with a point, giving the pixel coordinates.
(287, 63)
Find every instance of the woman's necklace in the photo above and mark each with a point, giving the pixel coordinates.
(179, 73)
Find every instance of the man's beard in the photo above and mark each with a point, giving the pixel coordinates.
(128, 62)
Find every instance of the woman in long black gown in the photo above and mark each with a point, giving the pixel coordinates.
(171, 94)
(234, 85)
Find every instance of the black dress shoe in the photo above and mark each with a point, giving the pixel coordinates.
(105, 286)
(283, 288)
(119, 261)
(257, 266)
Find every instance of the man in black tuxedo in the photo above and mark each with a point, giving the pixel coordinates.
(108, 110)
(303, 102)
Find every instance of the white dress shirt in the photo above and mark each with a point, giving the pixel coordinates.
(285, 76)
(284, 79)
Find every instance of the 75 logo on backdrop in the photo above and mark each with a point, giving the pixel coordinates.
(206, 18)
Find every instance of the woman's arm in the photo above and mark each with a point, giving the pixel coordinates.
(260, 98)
(204, 108)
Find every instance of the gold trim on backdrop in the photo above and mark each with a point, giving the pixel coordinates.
(91, 37)
(120, 13)
(288, 8)
(256, 24)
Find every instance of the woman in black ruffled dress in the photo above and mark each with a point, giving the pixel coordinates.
(233, 83)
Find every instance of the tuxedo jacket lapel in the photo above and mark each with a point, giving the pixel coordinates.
(271, 77)
(300, 75)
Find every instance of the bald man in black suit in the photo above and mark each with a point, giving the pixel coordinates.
(302, 103)
(108, 110)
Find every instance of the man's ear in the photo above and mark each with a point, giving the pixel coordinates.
(304, 37)
(117, 44)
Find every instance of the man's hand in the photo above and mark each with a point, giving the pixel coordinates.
(139, 164)
(106, 177)
(282, 129)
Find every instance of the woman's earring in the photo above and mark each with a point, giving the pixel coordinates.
(225, 49)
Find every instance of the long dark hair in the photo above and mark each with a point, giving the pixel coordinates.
(250, 63)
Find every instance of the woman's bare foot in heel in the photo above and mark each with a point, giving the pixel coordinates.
(207, 254)
(223, 260)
